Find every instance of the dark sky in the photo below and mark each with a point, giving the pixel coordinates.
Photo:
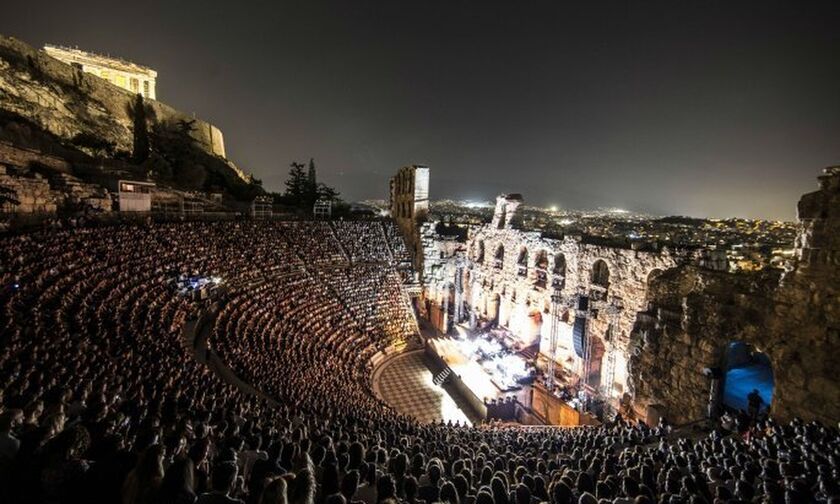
(696, 108)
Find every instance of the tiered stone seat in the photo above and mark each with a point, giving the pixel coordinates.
(110, 406)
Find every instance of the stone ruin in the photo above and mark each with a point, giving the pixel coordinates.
(506, 275)
(792, 317)
(34, 192)
(666, 314)
(505, 215)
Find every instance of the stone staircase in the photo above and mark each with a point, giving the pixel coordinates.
(442, 376)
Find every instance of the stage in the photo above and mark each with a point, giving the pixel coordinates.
(482, 370)
(474, 376)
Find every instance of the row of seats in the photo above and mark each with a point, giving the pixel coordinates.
(101, 401)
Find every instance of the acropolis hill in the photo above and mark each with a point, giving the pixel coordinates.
(62, 120)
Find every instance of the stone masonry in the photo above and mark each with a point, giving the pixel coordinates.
(794, 318)
(666, 314)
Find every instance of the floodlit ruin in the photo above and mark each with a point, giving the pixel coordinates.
(119, 72)
(636, 325)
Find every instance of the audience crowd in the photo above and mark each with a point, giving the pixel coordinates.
(103, 400)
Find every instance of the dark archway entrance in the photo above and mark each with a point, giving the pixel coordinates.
(746, 369)
(493, 307)
(592, 362)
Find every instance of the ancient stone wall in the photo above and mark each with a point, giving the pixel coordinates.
(793, 318)
(505, 213)
(517, 292)
(73, 193)
(509, 275)
(24, 158)
(409, 205)
(33, 194)
(36, 193)
(44, 184)
(694, 314)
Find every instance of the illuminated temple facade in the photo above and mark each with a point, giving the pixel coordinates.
(125, 74)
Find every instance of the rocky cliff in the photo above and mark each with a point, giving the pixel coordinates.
(47, 103)
(793, 318)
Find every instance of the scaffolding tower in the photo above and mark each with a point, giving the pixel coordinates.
(590, 310)
(558, 306)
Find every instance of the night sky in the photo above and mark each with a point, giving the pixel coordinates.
(707, 110)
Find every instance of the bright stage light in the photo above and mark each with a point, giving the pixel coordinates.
(486, 358)
(449, 410)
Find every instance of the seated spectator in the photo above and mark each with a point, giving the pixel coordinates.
(223, 481)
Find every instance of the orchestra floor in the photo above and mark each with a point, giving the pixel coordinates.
(405, 383)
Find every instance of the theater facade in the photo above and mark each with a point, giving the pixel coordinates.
(638, 325)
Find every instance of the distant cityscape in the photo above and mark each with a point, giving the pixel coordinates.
(750, 244)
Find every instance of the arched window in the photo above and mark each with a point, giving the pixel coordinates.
(522, 262)
(479, 252)
(653, 275)
(541, 267)
(499, 259)
(600, 274)
(559, 272)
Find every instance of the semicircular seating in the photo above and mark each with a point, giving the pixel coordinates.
(102, 398)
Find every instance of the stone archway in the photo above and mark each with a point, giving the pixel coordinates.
(534, 328)
(596, 356)
(653, 275)
(746, 370)
(558, 273)
(449, 308)
(522, 262)
(541, 269)
(600, 274)
(493, 304)
(499, 257)
(479, 252)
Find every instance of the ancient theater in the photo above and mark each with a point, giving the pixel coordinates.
(444, 253)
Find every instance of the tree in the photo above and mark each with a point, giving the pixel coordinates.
(311, 178)
(141, 135)
(310, 193)
(296, 184)
(303, 189)
(326, 192)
